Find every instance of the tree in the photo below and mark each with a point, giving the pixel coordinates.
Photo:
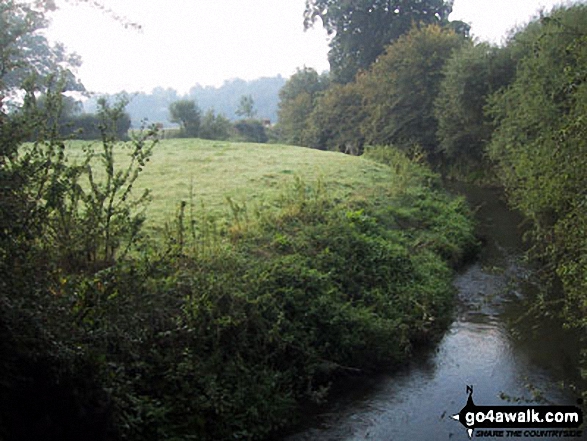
(246, 107)
(471, 76)
(297, 100)
(215, 126)
(187, 114)
(401, 87)
(361, 29)
(26, 53)
(337, 119)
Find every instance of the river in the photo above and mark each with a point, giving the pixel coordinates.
(493, 344)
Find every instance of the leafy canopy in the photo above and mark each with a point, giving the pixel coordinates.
(187, 114)
(401, 87)
(297, 100)
(471, 75)
(361, 29)
(25, 53)
(246, 107)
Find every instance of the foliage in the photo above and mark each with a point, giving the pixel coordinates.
(335, 120)
(297, 100)
(362, 29)
(251, 130)
(215, 126)
(25, 52)
(401, 87)
(55, 231)
(87, 126)
(472, 74)
(539, 145)
(187, 114)
(246, 107)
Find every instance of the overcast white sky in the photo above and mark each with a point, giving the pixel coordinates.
(189, 42)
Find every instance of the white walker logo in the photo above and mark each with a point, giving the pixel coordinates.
(551, 421)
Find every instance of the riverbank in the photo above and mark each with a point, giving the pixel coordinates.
(495, 344)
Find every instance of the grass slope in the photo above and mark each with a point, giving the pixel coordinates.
(252, 174)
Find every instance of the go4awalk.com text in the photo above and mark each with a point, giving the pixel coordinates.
(520, 421)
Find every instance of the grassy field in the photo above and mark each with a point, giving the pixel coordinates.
(251, 174)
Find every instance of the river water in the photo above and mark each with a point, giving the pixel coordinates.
(493, 344)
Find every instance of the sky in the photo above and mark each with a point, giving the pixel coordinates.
(187, 42)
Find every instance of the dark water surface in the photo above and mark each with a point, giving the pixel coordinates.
(493, 344)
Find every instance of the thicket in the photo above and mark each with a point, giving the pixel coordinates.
(540, 147)
(250, 130)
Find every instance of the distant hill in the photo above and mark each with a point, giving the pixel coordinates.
(224, 100)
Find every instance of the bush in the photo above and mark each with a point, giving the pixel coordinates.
(539, 146)
(215, 127)
(251, 130)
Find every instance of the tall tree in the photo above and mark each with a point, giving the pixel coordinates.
(26, 53)
(401, 87)
(337, 118)
(297, 100)
(471, 76)
(246, 107)
(361, 29)
(187, 114)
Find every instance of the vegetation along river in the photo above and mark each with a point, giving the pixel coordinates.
(493, 344)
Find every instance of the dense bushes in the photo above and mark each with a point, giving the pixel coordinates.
(540, 147)
(390, 103)
(87, 126)
(250, 130)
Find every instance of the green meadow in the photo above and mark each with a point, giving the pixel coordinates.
(209, 173)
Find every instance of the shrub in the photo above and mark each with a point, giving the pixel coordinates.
(251, 130)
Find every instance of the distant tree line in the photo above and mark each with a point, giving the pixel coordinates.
(188, 115)
(223, 100)
(74, 124)
(71, 122)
